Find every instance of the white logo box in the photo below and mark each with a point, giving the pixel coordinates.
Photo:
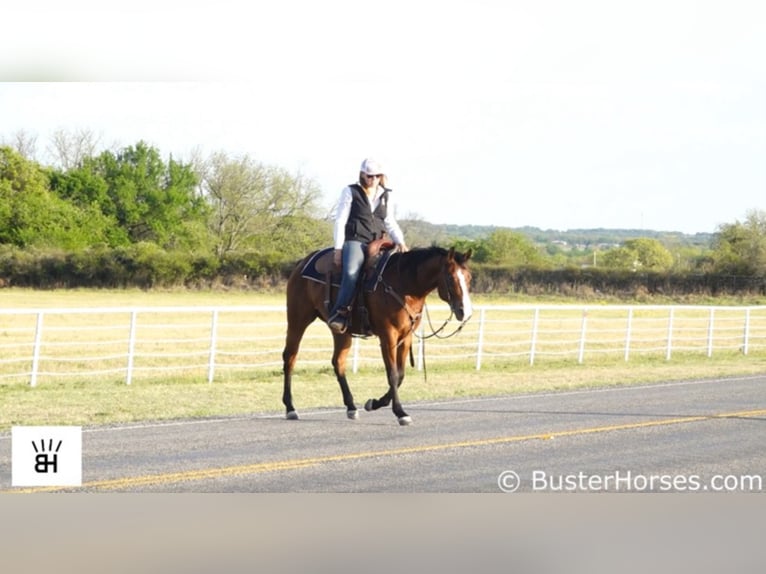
(46, 456)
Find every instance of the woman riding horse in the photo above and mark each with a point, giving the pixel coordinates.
(395, 308)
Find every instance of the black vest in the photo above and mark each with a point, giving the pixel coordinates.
(364, 224)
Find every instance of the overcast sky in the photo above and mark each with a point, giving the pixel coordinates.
(553, 114)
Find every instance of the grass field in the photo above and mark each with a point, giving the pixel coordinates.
(98, 401)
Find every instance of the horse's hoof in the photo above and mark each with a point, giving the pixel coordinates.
(353, 415)
(368, 405)
(292, 416)
(405, 420)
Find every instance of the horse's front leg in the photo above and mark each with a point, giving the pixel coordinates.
(395, 376)
(401, 358)
(375, 404)
(340, 352)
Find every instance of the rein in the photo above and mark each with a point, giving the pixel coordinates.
(436, 332)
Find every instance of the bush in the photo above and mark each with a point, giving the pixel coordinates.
(145, 265)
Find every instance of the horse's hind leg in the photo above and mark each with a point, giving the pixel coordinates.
(340, 353)
(296, 327)
(288, 358)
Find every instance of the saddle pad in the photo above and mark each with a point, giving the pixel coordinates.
(319, 265)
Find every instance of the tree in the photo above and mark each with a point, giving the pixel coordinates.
(30, 215)
(24, 143)
(642, 253)
(505, 247)
(740, 247)
(230, 187)
(70, 149)
(149, 199)
(255, 206)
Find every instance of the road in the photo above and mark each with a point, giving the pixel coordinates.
(704, 435)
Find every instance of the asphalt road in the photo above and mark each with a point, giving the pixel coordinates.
(705, 435)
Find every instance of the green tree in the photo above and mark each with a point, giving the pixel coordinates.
(478, 248)
(30, 215)
(149, 199)
(86, 187)
(642, 253)
(505, 247)
(740, 247)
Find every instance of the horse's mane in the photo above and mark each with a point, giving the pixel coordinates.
(410, 261)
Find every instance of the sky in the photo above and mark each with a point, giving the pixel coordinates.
(552, 114)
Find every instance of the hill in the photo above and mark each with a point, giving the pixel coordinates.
(423, 233)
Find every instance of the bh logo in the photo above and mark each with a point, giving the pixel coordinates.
(46, 456)
(44, 461)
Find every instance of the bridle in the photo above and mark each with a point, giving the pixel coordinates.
(451, 296)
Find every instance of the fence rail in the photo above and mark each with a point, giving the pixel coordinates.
(127, 343)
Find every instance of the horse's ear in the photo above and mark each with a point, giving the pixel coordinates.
(467, 255)
(451, 254)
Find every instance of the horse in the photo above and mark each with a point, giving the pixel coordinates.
(394, 309)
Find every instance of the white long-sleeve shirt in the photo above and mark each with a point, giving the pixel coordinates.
(343, 210)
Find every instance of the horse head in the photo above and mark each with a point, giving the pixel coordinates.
(455, 284)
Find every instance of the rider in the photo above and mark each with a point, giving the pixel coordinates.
(364, 212)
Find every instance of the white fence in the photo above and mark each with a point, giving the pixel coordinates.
(125, 344)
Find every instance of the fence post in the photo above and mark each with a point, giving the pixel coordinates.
(355, 356)
(36, 351)
(628, 332)
(533, 348)
(746, 342)
(581, 354)
(480, 345)
(710, 332)
(213, 340)
(670, 335)
(131, 347)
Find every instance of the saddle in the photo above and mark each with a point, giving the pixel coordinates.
(320, 268)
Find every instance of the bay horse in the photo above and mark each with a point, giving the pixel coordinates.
(394, 310)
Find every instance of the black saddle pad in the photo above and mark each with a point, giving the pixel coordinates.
(318, 264)
(311, 272)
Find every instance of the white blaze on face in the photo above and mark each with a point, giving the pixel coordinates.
(467, 307)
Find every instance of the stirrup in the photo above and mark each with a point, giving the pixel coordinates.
(338, 323)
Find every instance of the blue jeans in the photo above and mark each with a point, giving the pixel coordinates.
(352, 258)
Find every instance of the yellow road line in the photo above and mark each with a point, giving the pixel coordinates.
(257, 468)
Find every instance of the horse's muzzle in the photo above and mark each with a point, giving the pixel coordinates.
(463, 309)
(461, 315)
